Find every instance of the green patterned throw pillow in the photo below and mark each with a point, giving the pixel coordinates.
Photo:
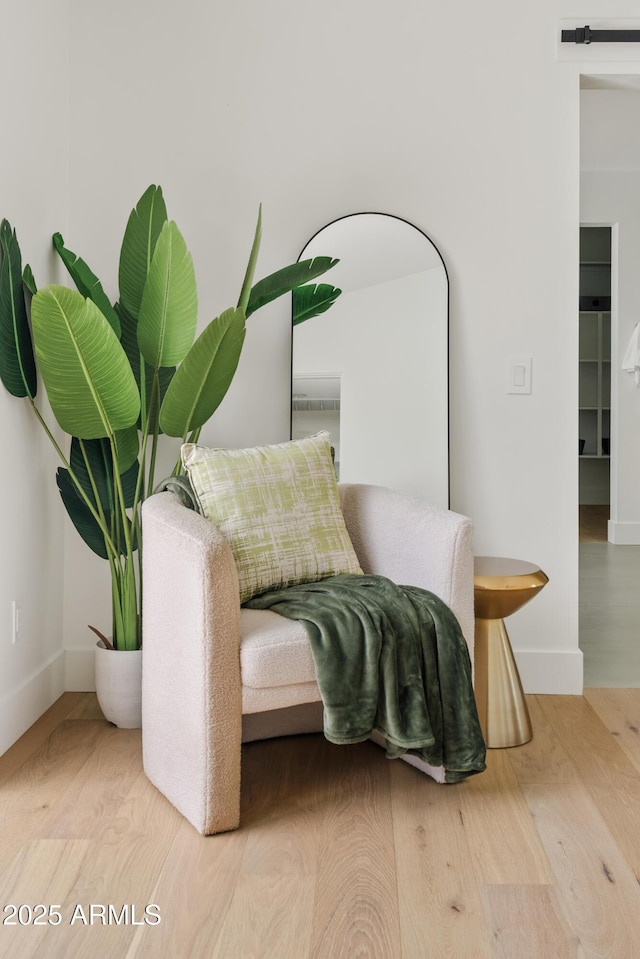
(279, 509)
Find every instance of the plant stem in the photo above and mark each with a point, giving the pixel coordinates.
(153, 405)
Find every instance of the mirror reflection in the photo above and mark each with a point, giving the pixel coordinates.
(373, 369)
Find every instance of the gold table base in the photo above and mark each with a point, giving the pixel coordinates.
(501, 586)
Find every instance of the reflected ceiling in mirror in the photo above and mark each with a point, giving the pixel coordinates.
(373, 369)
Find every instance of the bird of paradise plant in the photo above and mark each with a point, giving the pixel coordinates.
(119, 375)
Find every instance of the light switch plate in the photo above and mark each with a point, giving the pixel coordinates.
(519, 374)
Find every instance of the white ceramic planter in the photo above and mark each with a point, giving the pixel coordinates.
(119, 685)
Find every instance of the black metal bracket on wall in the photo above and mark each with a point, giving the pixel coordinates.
(587, 35)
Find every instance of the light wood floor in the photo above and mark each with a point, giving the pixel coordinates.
(341, 854)
(593, 523)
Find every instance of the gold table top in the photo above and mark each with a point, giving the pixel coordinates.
(500, 572)
(501, 585)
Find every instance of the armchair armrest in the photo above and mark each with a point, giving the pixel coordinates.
(191, 692)
(413, 543)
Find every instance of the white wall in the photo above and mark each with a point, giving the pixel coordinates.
(33, 197)
(610, 195)
(458, 117)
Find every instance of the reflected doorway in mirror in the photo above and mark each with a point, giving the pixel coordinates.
(315, 406)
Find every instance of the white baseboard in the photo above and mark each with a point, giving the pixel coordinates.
(80, 670)
(541, 670)
(558, 672)
(623, 534)
(24, 705)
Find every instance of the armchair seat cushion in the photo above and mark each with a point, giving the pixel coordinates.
(274, 651)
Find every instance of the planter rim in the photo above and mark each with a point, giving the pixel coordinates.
(101, 645)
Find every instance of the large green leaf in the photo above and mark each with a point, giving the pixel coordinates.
(127, 446)
(129, 340)
(80, 514)
(29, 280)
(87, 282)
(312, 299)
(287, 279)
(92, 460)
(245, 292)
(86, 373)
(83, 520)
(204, 377)
(17, 363)
(169, 308)
(139, 242)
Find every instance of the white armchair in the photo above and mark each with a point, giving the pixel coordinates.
(215, 675)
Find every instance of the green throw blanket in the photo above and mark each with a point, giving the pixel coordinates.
(392, 659)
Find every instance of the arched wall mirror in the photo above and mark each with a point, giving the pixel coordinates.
(374, 369)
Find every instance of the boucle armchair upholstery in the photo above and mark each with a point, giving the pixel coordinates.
(215, 675)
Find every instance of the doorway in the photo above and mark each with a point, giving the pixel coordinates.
(609, 566)
(594, 383)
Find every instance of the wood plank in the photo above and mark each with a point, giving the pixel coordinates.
(356, 906)
(37, 734)
(528, 921)
(283, 789)
(119, 872)
(288, 788)
(438, 896)
(611, 778)
(593, 523)
(267, 918)
(94, 797)
(598, 892)
(130, 852)
(87, 708)
(194, 890)
(511, 854)
(43, 872)
(619, 711)
(253, 878)
(543, 759)
(30, 798)
(596, 754)
(87, 800)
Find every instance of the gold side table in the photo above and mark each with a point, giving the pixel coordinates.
(501, 587)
